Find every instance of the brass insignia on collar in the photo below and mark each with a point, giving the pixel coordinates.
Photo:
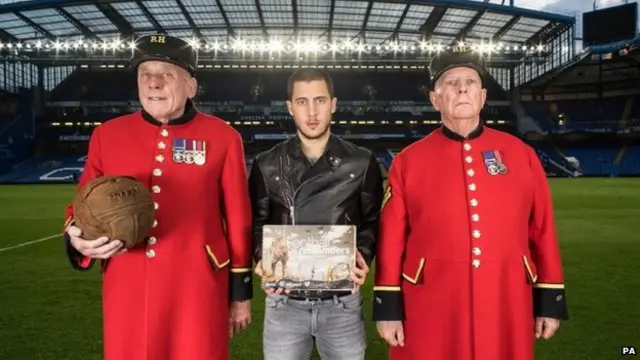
(387, 196)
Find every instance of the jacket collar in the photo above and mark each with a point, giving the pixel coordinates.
(457, 137)
(301, 169)
(189, 114)
(334, 151)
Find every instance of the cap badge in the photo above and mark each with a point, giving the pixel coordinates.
(157, 39)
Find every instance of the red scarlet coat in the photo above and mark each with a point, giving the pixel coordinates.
(466, 258)
(168, 299)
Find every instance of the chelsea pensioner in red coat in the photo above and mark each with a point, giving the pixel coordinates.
(173, 297)
(468, 264)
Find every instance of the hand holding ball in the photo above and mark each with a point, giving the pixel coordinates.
(116, 207)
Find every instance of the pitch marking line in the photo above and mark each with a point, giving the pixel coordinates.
(30, 242)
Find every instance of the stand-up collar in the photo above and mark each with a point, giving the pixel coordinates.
(190, 112)
(457, 137)
(334, 148)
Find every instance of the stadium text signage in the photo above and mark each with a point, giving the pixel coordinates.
(74, 137)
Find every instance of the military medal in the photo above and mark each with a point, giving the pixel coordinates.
(189, 152)
(179, 150)
(502, 168)
(200, 152)
(493, 162)
(199, 159)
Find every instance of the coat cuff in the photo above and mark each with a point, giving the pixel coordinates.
(388, 304)
(241, 284)
(549, 300)
(76, 259)
(366, 255)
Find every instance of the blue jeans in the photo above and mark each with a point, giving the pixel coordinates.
(337, 324)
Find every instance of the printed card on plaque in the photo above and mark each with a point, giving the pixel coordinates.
(308, 257)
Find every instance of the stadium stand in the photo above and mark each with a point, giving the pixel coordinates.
(590, 108)
(258, 86)
(65, 72)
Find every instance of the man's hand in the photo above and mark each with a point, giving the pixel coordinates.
(545, 327)
(239, 316)
(359, 273)
(392, 332)
(270, 291)
(101, 248)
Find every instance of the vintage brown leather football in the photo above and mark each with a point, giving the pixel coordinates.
(118, 207)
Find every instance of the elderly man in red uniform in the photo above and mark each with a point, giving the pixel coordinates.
(468, 263)
(184, 292)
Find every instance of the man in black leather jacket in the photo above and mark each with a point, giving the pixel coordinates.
(316, 178)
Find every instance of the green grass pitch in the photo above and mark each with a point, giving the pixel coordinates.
(50, 312)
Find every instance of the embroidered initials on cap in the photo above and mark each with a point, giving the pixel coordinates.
(158, 39)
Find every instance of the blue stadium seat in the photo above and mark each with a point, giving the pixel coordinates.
(595, 161)
(551, 157)
(601, 115)
(630, 163)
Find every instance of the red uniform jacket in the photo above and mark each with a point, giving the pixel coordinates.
(468, 253)
(169, 297)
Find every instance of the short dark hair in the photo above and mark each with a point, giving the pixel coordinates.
(307, 75)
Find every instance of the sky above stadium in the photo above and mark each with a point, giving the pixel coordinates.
(566, 7)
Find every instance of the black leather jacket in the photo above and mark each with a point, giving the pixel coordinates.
(343, 187)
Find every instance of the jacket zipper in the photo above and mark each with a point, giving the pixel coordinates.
(292, 205)
(292, 214)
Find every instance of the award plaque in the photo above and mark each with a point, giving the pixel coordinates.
(308, 257)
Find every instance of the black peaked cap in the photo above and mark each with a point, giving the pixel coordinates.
(460, 57)
(165, 48)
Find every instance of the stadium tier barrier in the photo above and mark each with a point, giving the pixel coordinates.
(67, 170)
(601, 161)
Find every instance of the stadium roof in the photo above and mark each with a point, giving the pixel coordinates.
(371, 21)
(592, 71)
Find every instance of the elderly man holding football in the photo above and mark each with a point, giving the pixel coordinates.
(187, 288)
